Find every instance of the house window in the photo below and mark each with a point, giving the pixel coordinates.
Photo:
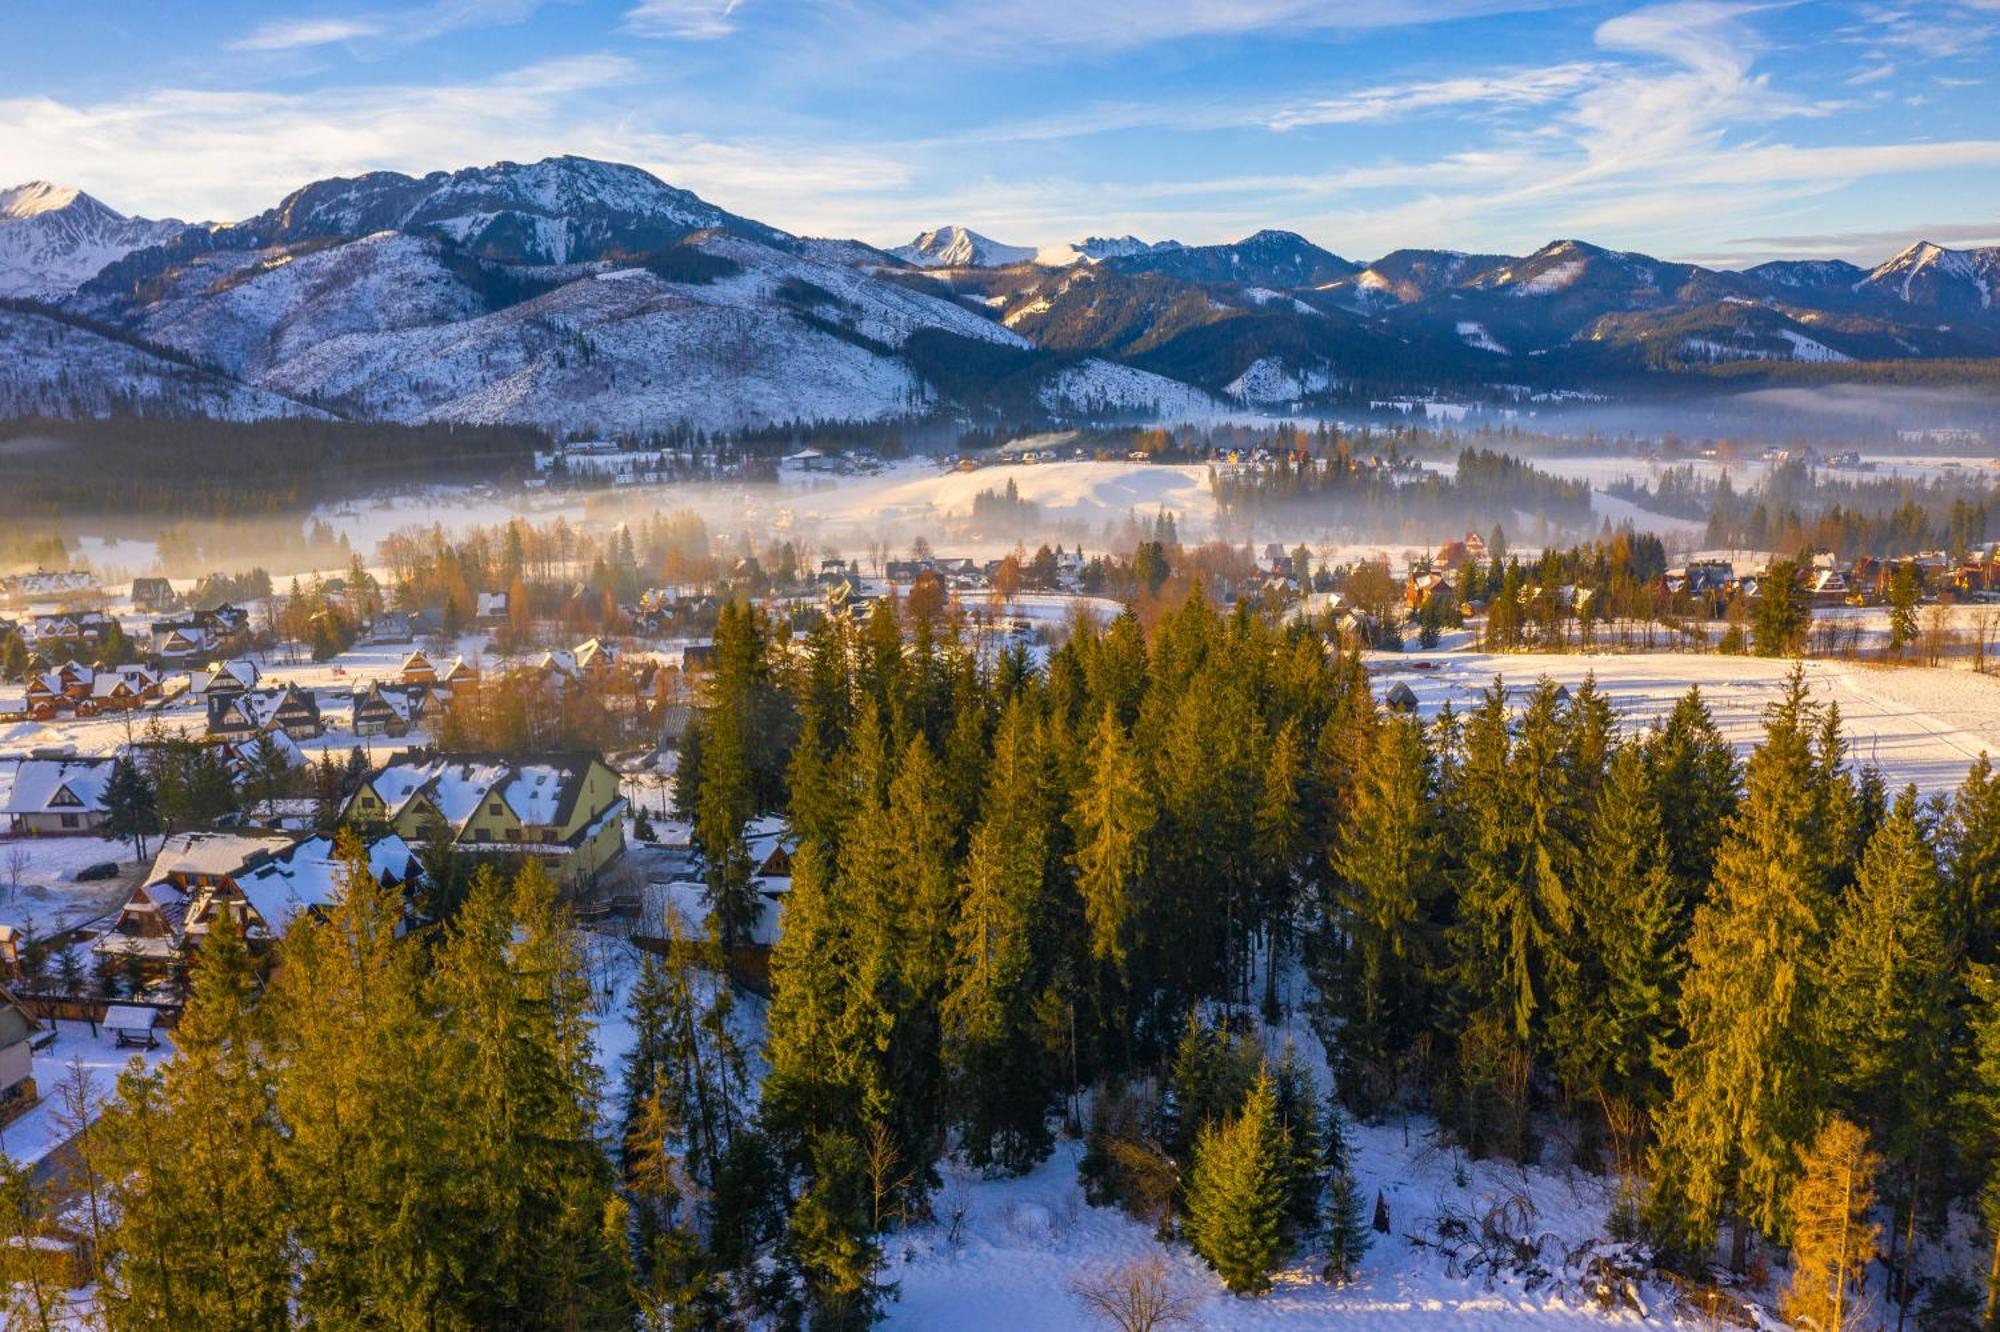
(70, 821)
(513, 834)
(493, 808)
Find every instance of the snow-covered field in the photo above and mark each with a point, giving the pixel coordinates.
(46, 1127)
(1916, 724)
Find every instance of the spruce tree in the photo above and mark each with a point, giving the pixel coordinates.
(1377, 944)
(1748, 1085)
(131, 809)
(1305, 1156)
(1614, 1021)
(1111, 817)
(1236, 1202)
(1345, 1229)
(191, 1152)
(828, 1238)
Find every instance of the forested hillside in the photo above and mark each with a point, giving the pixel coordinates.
(1031, 900)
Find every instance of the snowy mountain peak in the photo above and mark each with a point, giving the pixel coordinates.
(959, 247)
(36, 197)
(53, 238)
(1927, 274)
(556, 211)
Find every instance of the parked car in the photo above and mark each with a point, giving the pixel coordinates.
(103, 869)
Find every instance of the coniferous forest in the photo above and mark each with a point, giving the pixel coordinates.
(1064, 896)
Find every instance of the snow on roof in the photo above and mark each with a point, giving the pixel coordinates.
(210, 854)
(129, 1017)
(38, 782)
(537, 790)
(308, 876)
(535, 794)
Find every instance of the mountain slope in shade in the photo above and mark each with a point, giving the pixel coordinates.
(1405, 277)
(1809, 275)
(1281, 259)
(956, 247)
(53, 367)
(1932, 278)
(53, 239)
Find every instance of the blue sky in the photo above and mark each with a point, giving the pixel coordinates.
(1695, 129)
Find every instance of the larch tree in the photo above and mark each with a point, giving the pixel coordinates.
(1891, 1000)
(1832, 1239)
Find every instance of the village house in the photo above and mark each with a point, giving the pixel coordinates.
(45, 585)
(391, 627)
(264, 881)
(419, 669)
(564, 809)
(387, 709)
(57, 794)
(293, 711)
(223, 679)
(68, 633)
(1423, 586)
(86, 691)
(153, 595)
(18, 1032)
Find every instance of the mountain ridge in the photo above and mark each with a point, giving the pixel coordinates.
(580, 295)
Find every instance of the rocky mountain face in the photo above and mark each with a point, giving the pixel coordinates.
(52, 239)
(584, 296)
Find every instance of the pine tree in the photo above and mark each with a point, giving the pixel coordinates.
(1305, 1156)
(370, 1128)
(1978, 1119)
(1972, 856)
(1613, 1023)
(1237, 1193)
(1832, 1240)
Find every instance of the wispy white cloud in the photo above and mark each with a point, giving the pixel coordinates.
(1522, 88)
(892, 29)
(688, 20)
(294, 34)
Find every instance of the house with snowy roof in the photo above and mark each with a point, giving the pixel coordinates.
(56, 795)
(563, 809)
(264, 881)
(223, 678)
(289, 709)
(379, 709)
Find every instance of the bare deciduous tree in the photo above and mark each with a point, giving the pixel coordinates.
(1137, 1296)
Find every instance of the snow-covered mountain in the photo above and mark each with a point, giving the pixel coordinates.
(1282, 259)
(54, 238)
(591, 296)
(55, 367)
(723, 332)
(956, 247)
(1810, 275)
(1950, 282)
(557, 211)
(1096, 249)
